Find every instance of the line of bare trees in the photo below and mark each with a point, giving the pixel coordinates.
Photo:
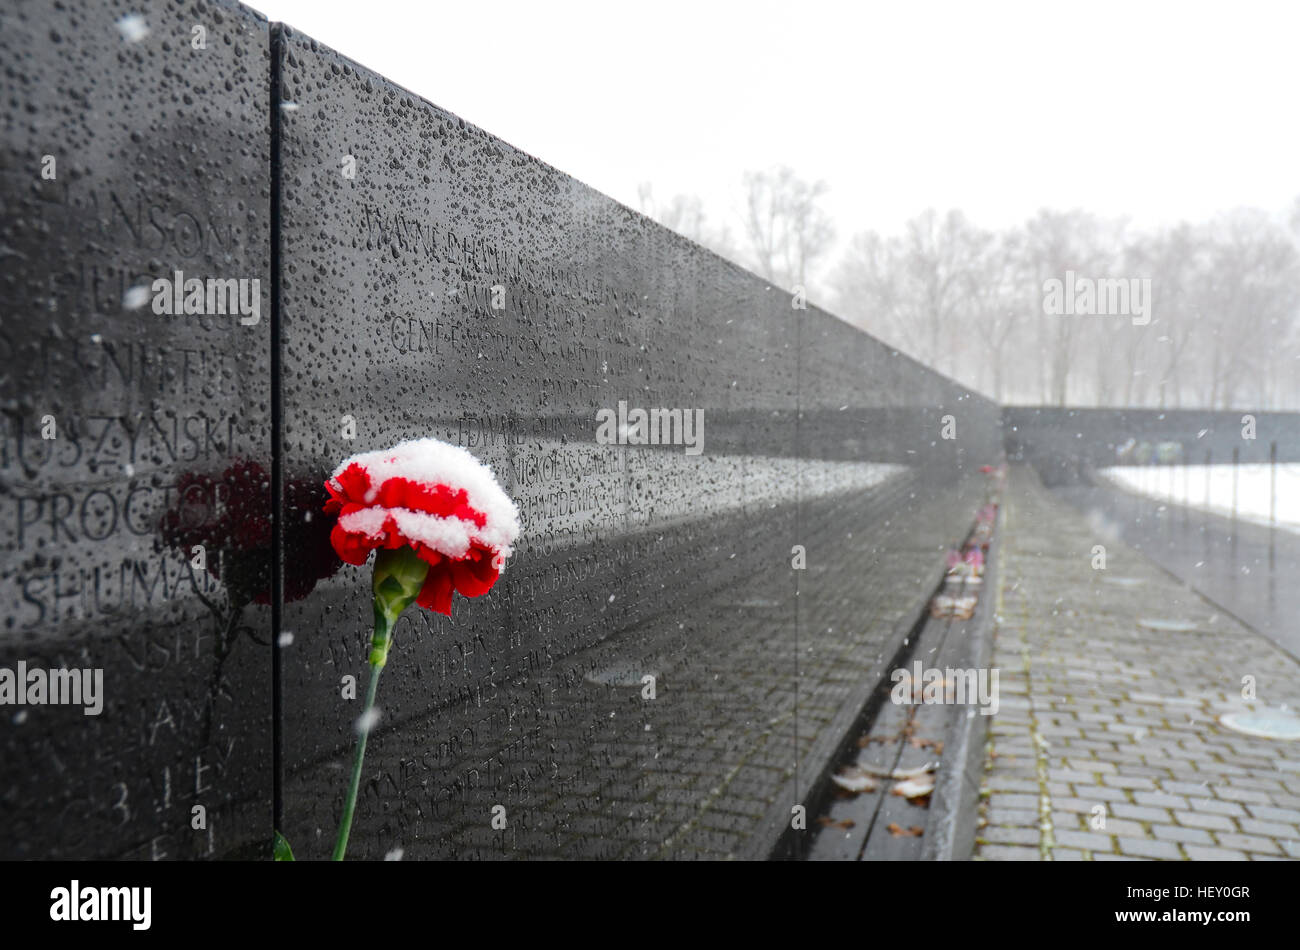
(1224, 310)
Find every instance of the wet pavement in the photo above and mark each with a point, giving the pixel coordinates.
(1108, 743)
(1244, 567)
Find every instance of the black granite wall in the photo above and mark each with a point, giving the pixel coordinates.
(127, 154)
(390, 228)
(1064, 444)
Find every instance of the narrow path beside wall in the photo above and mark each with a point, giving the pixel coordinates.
(1108, 744)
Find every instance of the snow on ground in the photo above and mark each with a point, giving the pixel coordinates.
(1210, 488)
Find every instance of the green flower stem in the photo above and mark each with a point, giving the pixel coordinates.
(399, 575)
(350, 803)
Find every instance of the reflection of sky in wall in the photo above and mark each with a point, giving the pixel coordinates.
(1190, 483)
(660, 487)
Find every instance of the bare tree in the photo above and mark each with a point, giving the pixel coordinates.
(1000, 300)
(686, 215)
(921, 292)
(1225, 296)
(1058, 242)
(788, 232)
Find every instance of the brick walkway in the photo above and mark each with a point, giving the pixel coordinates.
(1097, 711)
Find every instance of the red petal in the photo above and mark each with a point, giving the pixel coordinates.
(353, 548)
(436, 592)
(474, 576)
(427, 554)
(353, 483)
(440, 500)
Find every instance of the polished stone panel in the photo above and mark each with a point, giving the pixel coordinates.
(660, 668)
(437, 281)
(135, 146)
(1065, 444)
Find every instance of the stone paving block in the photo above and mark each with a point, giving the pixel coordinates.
(1270, 829)
(1205, 820)
(1091, 840)
(1160, 799)
(1069, 775)
(1001, 783)
(1013, 816)
(1089, 765)
(1180, 833)
(1189, 780)
(1147, 848)
(1001, 852)
(1079, 805)
(1233, 794)
(1248, 843)
(1013, 800)
(1141, 812)
(1154, 772)
(1198, 853)
(1255, 782)
(1021, 836)
(1270, 813)
(1217, 807)
(1122, 828)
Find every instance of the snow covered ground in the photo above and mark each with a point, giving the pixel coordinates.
(1210, 487)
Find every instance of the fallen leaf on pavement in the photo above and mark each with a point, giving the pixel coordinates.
(856, 780)
(914, 772)
(898, 831)
(914, 787)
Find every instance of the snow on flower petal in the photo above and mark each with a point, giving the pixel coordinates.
(436, 499)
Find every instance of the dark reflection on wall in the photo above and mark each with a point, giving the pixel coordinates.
(114, 416)
(643, 679)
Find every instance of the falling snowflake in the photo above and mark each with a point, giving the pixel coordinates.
(135, 298)
(367, 721)
(133, 27)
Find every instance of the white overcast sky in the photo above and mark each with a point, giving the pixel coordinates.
(1155, 111)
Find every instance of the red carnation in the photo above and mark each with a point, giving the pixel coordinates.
(439, 522)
